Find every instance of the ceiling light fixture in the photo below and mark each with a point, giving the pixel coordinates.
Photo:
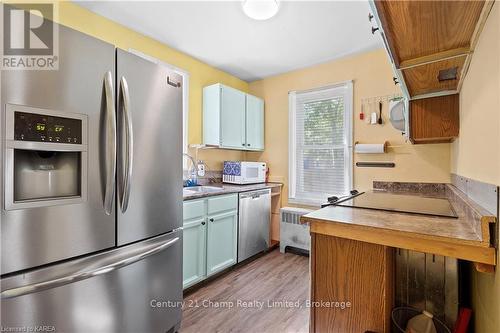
(260, 9)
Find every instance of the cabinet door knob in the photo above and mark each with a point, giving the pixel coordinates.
(248, 144)
(211, 220)
(203, 223)
(374, 29)
(370, 17)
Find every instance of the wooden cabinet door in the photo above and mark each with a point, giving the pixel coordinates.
(356, 273)
(435, 119)
(221, 241)
(254, 123)
(232, 118)
(194, 255)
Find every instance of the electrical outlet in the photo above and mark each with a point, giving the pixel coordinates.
(201, 169)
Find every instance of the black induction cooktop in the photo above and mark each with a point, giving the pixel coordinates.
(402, 203)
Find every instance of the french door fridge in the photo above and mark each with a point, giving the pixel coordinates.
(91, 196)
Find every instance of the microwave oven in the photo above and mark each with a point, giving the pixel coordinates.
(241, 172)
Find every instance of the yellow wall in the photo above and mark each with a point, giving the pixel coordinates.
(476, 154)
(372, 76)
(200, 74)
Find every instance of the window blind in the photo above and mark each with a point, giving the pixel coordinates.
(320, 143)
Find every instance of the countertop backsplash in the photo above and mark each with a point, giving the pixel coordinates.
(211, 177)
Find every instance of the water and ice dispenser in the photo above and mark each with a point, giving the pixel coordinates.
(45, 157)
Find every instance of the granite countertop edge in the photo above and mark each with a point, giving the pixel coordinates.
(229, 189)
(469, 220)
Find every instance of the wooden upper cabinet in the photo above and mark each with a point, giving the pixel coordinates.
(418, 29)
(429, 41)
(434, 120)
(422, 80)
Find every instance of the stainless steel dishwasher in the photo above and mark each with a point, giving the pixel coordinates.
(253, 223)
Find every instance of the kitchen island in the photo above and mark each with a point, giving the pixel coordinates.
(352, 253)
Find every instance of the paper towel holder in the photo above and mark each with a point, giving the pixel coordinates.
(385, 145)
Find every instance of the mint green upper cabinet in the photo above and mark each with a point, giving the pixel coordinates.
(221, 241)
(232, 119)
(254, 123)
(224, 117)
(211, 114)
(232, 128)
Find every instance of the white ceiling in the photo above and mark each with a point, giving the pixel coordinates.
(303, 33)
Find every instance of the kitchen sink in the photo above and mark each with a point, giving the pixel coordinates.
(201, 189)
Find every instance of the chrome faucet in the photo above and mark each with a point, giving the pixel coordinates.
(192, 171)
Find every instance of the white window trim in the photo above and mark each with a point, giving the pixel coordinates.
(185, 98)
(348, 127)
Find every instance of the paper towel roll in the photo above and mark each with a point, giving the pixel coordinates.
(369, 148)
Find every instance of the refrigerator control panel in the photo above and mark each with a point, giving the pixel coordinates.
(45, 128)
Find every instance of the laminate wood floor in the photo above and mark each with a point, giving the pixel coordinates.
(219, 306)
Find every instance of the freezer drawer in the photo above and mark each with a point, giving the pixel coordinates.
(253, 223)
(137, 288)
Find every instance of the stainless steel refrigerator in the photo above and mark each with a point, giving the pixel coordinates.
(91, 196)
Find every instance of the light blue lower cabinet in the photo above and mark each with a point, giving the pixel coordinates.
(194, 255)
(210, 237)
(221, 241)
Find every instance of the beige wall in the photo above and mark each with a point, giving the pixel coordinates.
(372, 76)
(200, 74)
(476, 154)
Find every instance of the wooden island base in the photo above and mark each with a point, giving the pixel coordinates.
(356, 274)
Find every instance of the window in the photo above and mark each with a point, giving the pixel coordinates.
(320, 143)
(185, 97)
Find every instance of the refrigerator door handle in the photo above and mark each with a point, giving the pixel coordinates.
(100, 266)
(109, 192)
(129, 143)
